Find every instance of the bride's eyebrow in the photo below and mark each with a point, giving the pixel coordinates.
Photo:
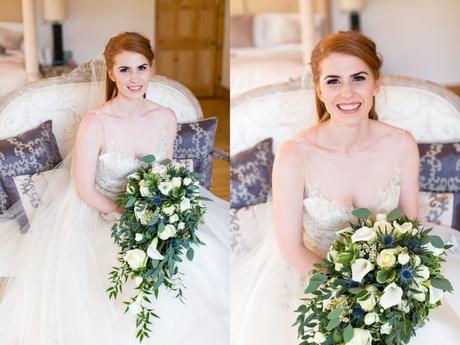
(357, 74)
(351, 76)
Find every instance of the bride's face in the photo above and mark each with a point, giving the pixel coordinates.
(347, 87)
(131, 73)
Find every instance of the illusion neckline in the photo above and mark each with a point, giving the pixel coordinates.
(314, 192)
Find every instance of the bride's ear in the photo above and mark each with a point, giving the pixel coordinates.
(110, 74)
(377, 86)
(318, 93)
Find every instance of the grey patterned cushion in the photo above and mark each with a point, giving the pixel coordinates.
(251, 175)
(33, 151)
(195, 140)
(440, 167)
(440, 208)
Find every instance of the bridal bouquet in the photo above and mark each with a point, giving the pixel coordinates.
(377, 285)
(163, 208)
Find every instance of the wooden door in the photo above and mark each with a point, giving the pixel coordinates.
(189, 35)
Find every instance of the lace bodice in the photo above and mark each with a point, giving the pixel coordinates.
(322, 217)
(114, 166)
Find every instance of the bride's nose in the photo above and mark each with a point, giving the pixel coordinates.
(347, 90)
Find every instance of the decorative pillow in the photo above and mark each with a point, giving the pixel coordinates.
(440, 167)
(241, 31)
(29, 189)
(440, 208)
(251, 175)
(272, 29)
(195, 140)
(33, 151)
(10, 39)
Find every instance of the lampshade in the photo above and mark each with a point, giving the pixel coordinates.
(54, 10)
(352, 5)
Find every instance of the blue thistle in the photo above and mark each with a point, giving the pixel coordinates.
(413, 244)
(356, 314)
(388, 240)
(174, 243)
(189, 192)
(353, 284)
(157, 200)
(406, 275)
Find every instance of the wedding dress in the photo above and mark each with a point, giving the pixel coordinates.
(266, 291)
(56, 293)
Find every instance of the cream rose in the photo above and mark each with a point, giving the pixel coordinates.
(174, 218)
(369, 303)
(181, 226)
(139, 237)
(165, 187)
(332, 255)
(383, 226)
(159, 169)
(371, 318)
(144, 216)
(403, 258)
(363, 234)
(423, 271)
(392, 295)
(168, 232)
(187, 181)
(420, 295)
(417, 260)
(169, 211)
(360, 268)
(386, 258)
(386, 328)
(145, 192)
(135, 258)
(403, 228)
(134, 176)
(319, 338)
(360, 337)
(176, 182)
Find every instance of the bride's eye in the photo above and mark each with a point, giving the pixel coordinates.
(359, 78)
(142, 68)
(123, 70)
(332, 81)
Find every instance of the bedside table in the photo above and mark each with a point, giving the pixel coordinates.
(49, 71)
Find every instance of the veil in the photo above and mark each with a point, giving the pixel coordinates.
(14, 222)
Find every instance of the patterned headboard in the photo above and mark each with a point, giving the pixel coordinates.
(430, 112)
(67, 98)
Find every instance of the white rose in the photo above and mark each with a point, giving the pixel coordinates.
(152, 251)
(403, 258)
(181, 226)
(185, 204)
(145, 192)
(135, 258)
(386, 258)
(360, 337)
(176, 182)
(130, 189)
(363, 234)
(319, 338)
(433, 249)
(135, 308)
(139, 237)
(187, 181)
(392, 295)
(405, 227)
(332, 255)
(144, 216)
(420, 295)
(417, 260)
(383, 226)
(174, 218)
(435, 294)
(369, 303)
(165, 187)
(168, 210)
(158, 168)
(168, 231)
(386, 328)
(338, 266)
(360, 268)
(371, 318)
(138, 280)
(134, 176)
(423, 271)
(404, 306)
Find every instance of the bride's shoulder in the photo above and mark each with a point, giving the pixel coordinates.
(158, 110)
(392, 136)
(296, 146)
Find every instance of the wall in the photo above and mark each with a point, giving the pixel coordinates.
(10, 11)
(91, 23)
(225, 71)
(258, 6)
(417, 38)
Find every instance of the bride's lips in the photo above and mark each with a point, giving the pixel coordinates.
(135, 88)
(349, 108)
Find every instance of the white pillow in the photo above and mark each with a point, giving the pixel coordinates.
(273, 29)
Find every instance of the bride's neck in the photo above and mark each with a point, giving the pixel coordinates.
(127, 108)
(346, 138)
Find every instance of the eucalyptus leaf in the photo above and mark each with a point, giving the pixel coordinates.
(190, 253)
(334, 314)
(395, 214)
(130, 202)
(442, 283)
(312, 286)
(361, 213)
(333, 324)
(149, 159)
(348, 333)
(437, 242)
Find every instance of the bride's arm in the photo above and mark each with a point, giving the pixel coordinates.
(288, 193)
(171, 131)
(410, 162)
(87, 146)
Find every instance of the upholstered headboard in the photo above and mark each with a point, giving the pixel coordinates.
(430, 112)
(66, 99)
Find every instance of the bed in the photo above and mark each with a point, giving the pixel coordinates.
(12, 65)
(265, 49)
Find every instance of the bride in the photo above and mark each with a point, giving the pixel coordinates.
(348, 160)
(57, 293)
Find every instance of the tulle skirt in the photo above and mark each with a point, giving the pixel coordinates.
(266, 291)
(58, 277)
